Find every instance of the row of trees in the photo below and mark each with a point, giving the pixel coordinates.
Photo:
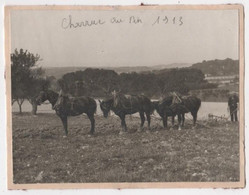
(100, 82)
(28, 79)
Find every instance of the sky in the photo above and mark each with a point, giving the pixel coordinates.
(143, 38)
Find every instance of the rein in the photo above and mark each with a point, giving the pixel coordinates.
(176, 97)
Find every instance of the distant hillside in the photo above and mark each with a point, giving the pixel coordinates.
(58, 72)
(212, 67)
(174, 65)
(218, 67)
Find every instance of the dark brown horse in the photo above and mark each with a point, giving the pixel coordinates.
(70, 106)
(182, 105)
(122, 105)
(163, 109)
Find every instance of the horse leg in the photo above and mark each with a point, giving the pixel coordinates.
(142, 120)
(148, 119)
(173, 121)
(179, 121)
(165, 121)
(64, 122)
(183, 119)
(91, 118)
(123, 124)
(231, 114)
(194, 114)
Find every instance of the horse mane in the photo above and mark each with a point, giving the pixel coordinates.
(53, 95)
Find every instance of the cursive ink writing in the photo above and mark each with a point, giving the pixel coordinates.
(68, 23)
(167, 20)
(135, 20)
(115, 20)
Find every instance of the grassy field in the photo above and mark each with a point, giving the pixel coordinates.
(42, 154)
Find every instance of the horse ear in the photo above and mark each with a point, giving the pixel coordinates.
(100, 101)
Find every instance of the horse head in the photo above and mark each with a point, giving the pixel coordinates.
(42, 97)
(155, 106)
(105, 106)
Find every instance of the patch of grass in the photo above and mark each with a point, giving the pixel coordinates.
(41, 153)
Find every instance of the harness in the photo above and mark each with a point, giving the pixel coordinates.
(176, 97)
(117, 101)
(176, 102)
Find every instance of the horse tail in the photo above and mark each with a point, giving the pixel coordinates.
(92, 105)
(150, 107)
(199, 103)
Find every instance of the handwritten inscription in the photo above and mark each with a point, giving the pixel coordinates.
(69, 23)
(135, 20)
(116, 20)
(131, 20)
(166, 20)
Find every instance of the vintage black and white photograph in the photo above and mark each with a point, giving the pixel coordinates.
(125, 95)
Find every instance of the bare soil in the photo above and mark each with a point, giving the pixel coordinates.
(42, 154)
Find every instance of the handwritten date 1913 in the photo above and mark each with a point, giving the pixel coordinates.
(168, 20)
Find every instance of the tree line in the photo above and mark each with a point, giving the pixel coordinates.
(100, 82)
(218, 67)
(28, 79)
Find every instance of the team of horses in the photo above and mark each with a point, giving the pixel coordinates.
(122, 105)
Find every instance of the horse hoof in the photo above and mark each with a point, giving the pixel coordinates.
(64, 136)
(121, 133)
(171, 128)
